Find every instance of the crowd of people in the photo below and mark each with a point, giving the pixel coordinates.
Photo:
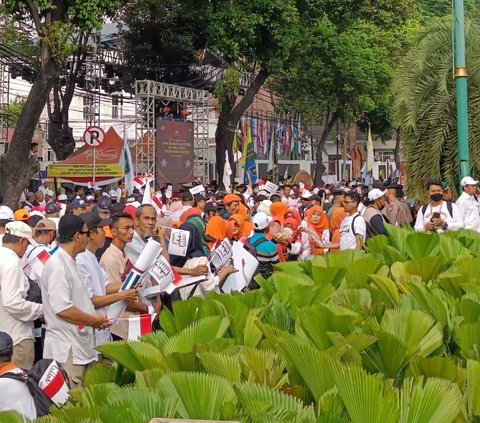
(64, 256)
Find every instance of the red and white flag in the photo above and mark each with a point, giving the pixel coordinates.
(34, 267)
(138, 182)
(54, 385)
(139, 325)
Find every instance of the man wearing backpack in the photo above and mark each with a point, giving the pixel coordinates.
(468, 205)
(438, 215)
(259, 246)
(15, 394)
(374, 219)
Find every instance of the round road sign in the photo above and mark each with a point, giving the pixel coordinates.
(93, 136)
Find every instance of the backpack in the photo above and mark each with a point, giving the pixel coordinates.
(265, 269)
(43, 370)
(449, 208)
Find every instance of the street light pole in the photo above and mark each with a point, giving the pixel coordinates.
(460, 76)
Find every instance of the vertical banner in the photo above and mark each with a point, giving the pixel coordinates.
(174, 161)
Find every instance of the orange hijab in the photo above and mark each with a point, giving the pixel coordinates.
(241, 223)
(190, 212)
(278, 210)
(320, 226)
(216, 229)
(295, 213)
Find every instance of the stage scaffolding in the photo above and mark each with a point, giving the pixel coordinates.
(150, 96)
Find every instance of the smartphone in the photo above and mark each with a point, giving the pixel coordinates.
(436, 215)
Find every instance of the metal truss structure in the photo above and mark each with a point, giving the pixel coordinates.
(149, 95)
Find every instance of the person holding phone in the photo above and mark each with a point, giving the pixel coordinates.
(438, 215)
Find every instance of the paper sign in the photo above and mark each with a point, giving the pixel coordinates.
(222, 254)
(169, 192)
(184, 282)
(178, 242)
(248, 193)
(54, 385)
(162, 272)
(271, 187)
(197, 189)
(245, 263)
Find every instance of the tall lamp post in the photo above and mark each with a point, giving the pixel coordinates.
(460, 76)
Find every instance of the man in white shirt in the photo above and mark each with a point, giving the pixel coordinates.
(438, 216)
(353, 230)
(15, 393)
(69, 313)
(96, 278)
(16, 313)
(468, 205)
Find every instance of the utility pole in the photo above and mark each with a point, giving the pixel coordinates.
(460, 76)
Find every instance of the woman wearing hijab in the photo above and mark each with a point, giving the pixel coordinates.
(215, 231)
(235, 229)
(316, 231)
(338, 215)
(194, 216)
(290, 227)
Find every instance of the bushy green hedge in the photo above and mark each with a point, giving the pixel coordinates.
(390, 335)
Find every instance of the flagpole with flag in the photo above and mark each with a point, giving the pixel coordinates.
(227, 173)
(128, 167)
(370, 156)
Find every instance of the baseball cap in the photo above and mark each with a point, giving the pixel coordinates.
(187, 196)
(199, 197)
(46, 225)
(20, 229)
(6, 213)
(89, 198)
(375, 194)
(210, 207)
(94, 221)
(21, 215)
(260, 197)
(6, 345)
(49, 192)
(51, 208)
(468, 180)
(62, 197)
(104, 204)
(78, 203)
(306, 195)
(113, 193)
(69, 225)
(261, 220)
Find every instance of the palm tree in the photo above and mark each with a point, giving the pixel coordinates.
(425, 105)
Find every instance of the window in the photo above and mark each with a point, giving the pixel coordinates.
(117, 103)
(87, 107)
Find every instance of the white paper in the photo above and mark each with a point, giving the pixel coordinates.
(169, 192)
(248, 193)
(185, 281)
(162, 272)
(271, 187)
(197, 189)
(222, 254)
(150, 252)
(178, 242)
(54, 385)
(246, 266)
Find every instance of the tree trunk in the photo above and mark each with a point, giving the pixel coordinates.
(228, 119)
(330, 121)
(396, 152)
(17, 166)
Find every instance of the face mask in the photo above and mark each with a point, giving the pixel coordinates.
(436, 197)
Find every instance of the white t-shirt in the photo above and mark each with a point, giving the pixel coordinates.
(348, 240)
(96, 279)
(62, 288)
(16, 396)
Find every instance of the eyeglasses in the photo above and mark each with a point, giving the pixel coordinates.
(84, 233)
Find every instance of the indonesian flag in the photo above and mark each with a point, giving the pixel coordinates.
(138, 182)
(157, 203)
(139, 325)
(54, 385)
(35, 265)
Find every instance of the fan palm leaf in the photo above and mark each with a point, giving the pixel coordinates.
(366, 397)
(473, 387)
(266, 367)
(184, 313)
(226, 366)
(467, 337)
(199, 395)
(439, 367)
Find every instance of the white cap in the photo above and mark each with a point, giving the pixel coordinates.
(468, 180)
(375, 194)
(261, 220)
(20, 229)
(49, 192)
(306, 194)
(6, 213)
(62, 197)
(37, 213)
(112, 193)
